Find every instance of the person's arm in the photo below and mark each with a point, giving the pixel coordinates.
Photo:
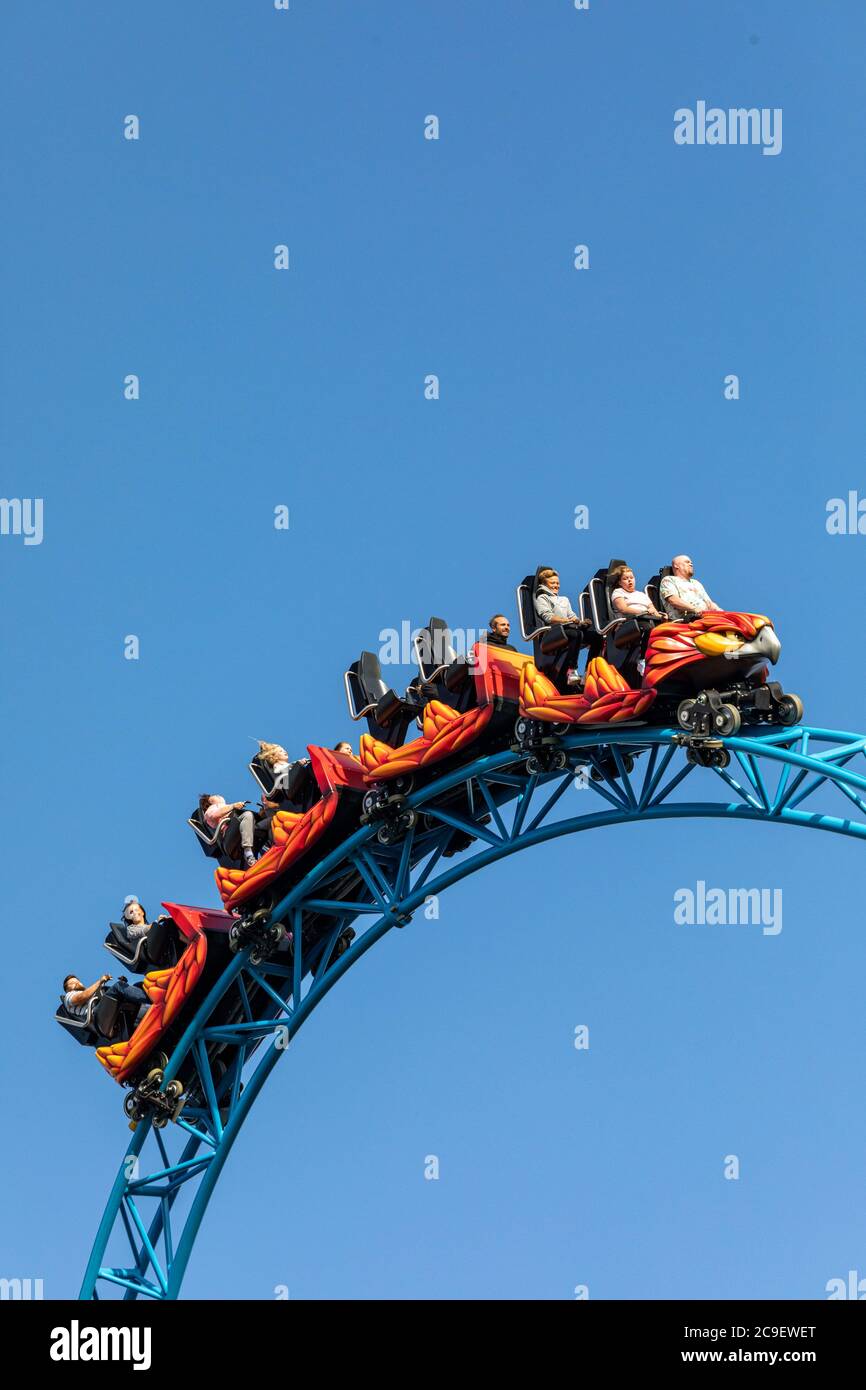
(672, 598)
(215, 814)
(548, 614)
(81, 996)
(544, 608)
(712, 607)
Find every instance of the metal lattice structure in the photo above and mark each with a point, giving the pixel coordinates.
(166, 1177)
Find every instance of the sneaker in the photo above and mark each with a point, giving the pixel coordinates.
(574, 680)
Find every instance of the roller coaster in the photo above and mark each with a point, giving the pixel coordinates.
(670, 720)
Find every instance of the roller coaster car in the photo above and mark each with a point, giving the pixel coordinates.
(172, 992)
(159, 947)
(138, 1058)
(340, 786)
(708, 675)
(388, 714)
(478, 713)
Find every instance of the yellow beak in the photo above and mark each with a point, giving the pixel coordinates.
(717, 643)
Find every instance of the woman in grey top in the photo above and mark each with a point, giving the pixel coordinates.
(554, 609)
(552, 606)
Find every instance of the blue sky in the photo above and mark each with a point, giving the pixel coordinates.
(558, 388)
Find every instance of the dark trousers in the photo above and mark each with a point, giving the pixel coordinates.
(127, 996)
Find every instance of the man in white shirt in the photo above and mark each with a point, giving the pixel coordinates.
(681, 594)
(131, 998)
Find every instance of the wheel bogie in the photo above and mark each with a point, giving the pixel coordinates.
(686, 714)
(727, 720)
(790, 710)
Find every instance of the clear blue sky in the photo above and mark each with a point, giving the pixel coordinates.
(558, 388)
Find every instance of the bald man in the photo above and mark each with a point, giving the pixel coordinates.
(681, 594)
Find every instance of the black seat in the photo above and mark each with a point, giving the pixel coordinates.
(388, 714)
(206, 837)
(101, 1020)
(602, 612)
(156, 949)
(443, 671)
(530, 625)
(271, 787)
(293, 790)
(653, 586)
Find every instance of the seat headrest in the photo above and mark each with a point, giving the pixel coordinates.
(370, 675)
(441, 651)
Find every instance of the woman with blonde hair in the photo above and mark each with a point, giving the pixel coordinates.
(274, 757)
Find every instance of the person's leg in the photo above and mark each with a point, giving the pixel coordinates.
(263, 837)
(231, 839)
(130, 996)
(132, 999)
(247, 828)
(575, 642)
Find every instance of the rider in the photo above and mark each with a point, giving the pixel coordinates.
(234, 824)
(628, 601)
(634, 604)
(500, 631)
(275, 759)
(131, 998)
(681, 594)
(553, 608)
(134, 919)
